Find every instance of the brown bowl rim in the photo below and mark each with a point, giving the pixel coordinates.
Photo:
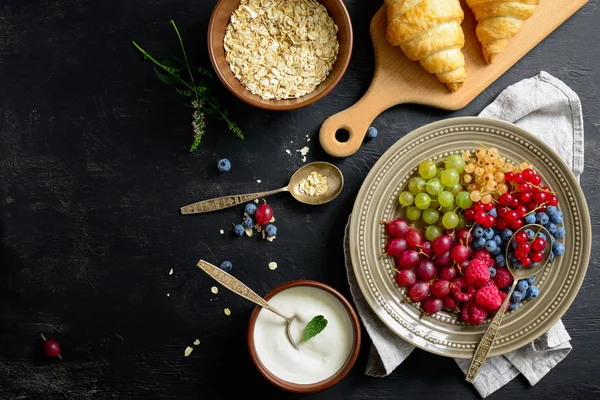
(281, 105)
(313, 387)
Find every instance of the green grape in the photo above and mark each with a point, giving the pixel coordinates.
(463, 200)
(445, 199)
(434, 203)
(439, 172)
(416, 185)
(430, 215)
(427, 169)
(456, 162)
(432, 232)
(449, 208)
(462, 222)
(422, 201)
(406, 199)
(456, 189)
(450, 220)
(449, 177)
(434, 186)
(413, 213)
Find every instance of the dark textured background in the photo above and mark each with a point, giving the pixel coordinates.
(93, 170)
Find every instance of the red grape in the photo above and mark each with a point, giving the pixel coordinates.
(409, 259)
(398, 227)
(419, 291)
(537, 256)
(396, 246)
(506, 199)
(536, 180)
(263, 214)
(426, 270)
(450, 302)
(427, 248)
(464, 235)
(52, 348)
(443, 260)
(448, 274)
(442, 244)
(528, 174)
(406, 277)
(469, 214)
(538, 244)
(459, 253)
(525, 197)
(441, 288)
(414, 238)
(431, 305)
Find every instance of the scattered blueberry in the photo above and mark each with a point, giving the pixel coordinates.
(250, 208)
(558, 249)
(542, 218)
(224, 165)
(552, 238)
(551, 210)
(479, 243)
(506, 234)
(372, 132)
(248, 223)
(498, 240)
(492, 272)
(560, 232)
(239, 230)
(530, 219)
(551, 228)
(532, 292)
(530, 233)
(493, 213)
(513, 306)
(478, 232)
(490, 245)
(557, 218)
(517, 296)
(226, 266)
(530, 280)
(542, 235)
(271, 230)
(488, 233)
(500, 260)
(522, 286)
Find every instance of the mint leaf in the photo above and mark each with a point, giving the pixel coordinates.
(314, 327)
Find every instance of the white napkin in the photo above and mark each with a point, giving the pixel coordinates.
(550, 110)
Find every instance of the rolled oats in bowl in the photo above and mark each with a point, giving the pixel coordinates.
(281, 49)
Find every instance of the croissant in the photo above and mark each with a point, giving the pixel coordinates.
(498, 21)
(429, 31)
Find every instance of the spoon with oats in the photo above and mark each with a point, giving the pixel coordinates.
(315, 184)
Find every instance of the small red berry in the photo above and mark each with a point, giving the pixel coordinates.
(501, 224)
(536, 180)
(520, 253)
(521, 237)
(518, 178)
(540, 197)
(502, 211)
(521, 210)
(51, 348)
(538, 244)
(506, 199)
(478, 206)
(537, 256)
(515, 203)
(552, 200)
(263, 214)
(489, 221)
(469, 214)
(525, 246)
(525, 197)
(516, 225)
(511, 216)
(509, 177)
(528, 174)
(526, 262)
(531, 206)
(525, 187)
(488, 206)
(480, 217)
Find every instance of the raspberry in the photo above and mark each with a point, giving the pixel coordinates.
(473, 314)
(478, 272)
(450, 302)
(488, 297)
(503, 278)
(461, 290)
(482, 255)
(502, 297)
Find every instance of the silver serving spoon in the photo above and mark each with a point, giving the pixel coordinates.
(484, 347)
(239, 288)
(335, 182)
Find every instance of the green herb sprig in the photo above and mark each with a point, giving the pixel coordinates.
(202, 102)
(314, 327)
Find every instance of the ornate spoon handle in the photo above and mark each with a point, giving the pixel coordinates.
(219, 203)
(236, 286)
(487, 342)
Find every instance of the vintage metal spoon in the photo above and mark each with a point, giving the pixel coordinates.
(335, 182)
(483, 349)
(239, 288)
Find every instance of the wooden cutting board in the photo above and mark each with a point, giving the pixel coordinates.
(398, 80)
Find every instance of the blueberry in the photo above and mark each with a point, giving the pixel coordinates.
(558, 249)
(488, 233)
(542, 235)
(478, 232)
(492, 272)
(498, 240)
(239, 230)
(493, 213)
(500, 260)
(522, 286)
(515, 244)
(517, 264)
(478, 243)
(490, 245)
(551, 210)
(534, 264)
(533, 292)
(271, 230)
(506, 234)
(496, 252)
(224, 165)
(517, 296)
(542, 218)
(530, 280)
(560, 232)
(557, 218)
(511, 257)
(530, 219)
(248, 223)
(372, 132)
(226, 266)
(530, 233)
(551, 228)
(552, 238)
(513, 306)
(250, 208)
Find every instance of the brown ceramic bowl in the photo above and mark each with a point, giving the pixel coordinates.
(313, 387)
(216, 33)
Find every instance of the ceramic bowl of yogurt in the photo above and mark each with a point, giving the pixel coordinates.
(318, 363)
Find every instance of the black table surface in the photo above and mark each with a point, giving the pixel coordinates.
(94, 167)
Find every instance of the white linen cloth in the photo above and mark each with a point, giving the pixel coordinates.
(550, 110)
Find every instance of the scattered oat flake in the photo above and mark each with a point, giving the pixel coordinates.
(214, 289)
(249, 232)
(227, 311)
(188, 351)
(308, 140)
(196, 342)
(287, 151)
(256, 201)
(304, 159)
(171, 271)
(272, 220)
(168, 295)
(270, 238)
(258, 181)
(314, 184)
(304, 151)
(221, 231)
(272, 265)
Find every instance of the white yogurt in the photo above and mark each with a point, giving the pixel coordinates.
(316, 359)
